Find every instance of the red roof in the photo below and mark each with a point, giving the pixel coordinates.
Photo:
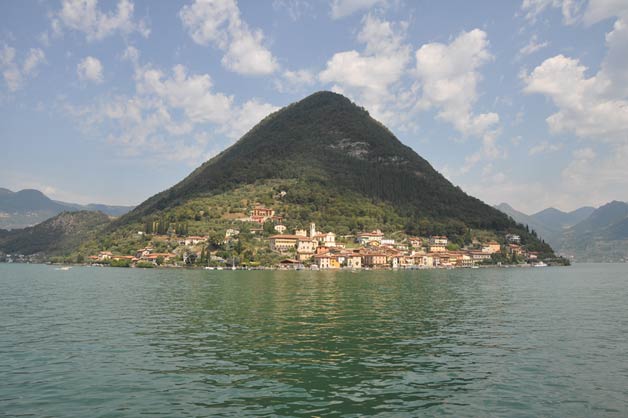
(286, 236)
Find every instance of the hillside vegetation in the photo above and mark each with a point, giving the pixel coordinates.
(60, 235)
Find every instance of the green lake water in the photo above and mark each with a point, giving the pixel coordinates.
(106, 342)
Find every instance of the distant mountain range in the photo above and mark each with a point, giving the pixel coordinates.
(29, 207)
(585, 234)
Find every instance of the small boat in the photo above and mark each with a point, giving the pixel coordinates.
(540, 264)
(64, 268)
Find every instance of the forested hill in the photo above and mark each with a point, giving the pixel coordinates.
(329, 142)
(59, 235)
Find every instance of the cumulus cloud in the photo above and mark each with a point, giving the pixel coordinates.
(449, 75)
(295, 81)
(595, 106)
(90, 69)
(85, 16)
(598, 10)
(15, 74)
(344, 8)
(372, 76)
(592, 106)
(588, 107)
(170, 115)
(218, 22)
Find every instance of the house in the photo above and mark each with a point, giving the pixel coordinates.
(353, 261)
(142, 252)
(479, 256)
(306, 248)
(438, 240)
(374, 260)
(437, 248)
(438, 243)
(231, 232)
(513, 238)
(104, 255)
(415, 242)
(300, 232)
(323, 261)
(192, 240)
(280, 228)
(388, 241)
(263, 212)
(368, 238)
(154, 256)
(326, 240)
(516, 249)
(491, 247)
(284, 243)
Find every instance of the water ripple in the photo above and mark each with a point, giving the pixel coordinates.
(504, 342)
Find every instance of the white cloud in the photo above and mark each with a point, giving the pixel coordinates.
(585, 105)
(169, 115)
(295, 81)
(598, 10)
(218, 22)
(372, 77)
(570, 9)
(15, 74)
(90, 69)
(344, 8)
(544, 147)
(533, 46)
(131, 54)
(449, 75)
(86, 17)
(594, 107)
(33, 60)
(294, 8)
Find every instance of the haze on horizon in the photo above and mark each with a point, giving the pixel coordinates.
(519, 102)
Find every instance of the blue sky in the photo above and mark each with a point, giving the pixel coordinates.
(518, 101)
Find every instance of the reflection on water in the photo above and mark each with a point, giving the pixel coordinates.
(502, 342)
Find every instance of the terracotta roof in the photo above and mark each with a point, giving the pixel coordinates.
(286, 236)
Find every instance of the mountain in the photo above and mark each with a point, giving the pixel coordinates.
(558, 218)
(56, 236)
(337, 166)
(585, 234)
(111, 210)
(29, 207)
(603, 236)
(323, 160)
(547, 231)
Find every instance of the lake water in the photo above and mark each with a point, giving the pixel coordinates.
(490, 342)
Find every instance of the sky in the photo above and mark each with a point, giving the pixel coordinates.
(524, 102)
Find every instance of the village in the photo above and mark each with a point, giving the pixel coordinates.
(319, 250)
